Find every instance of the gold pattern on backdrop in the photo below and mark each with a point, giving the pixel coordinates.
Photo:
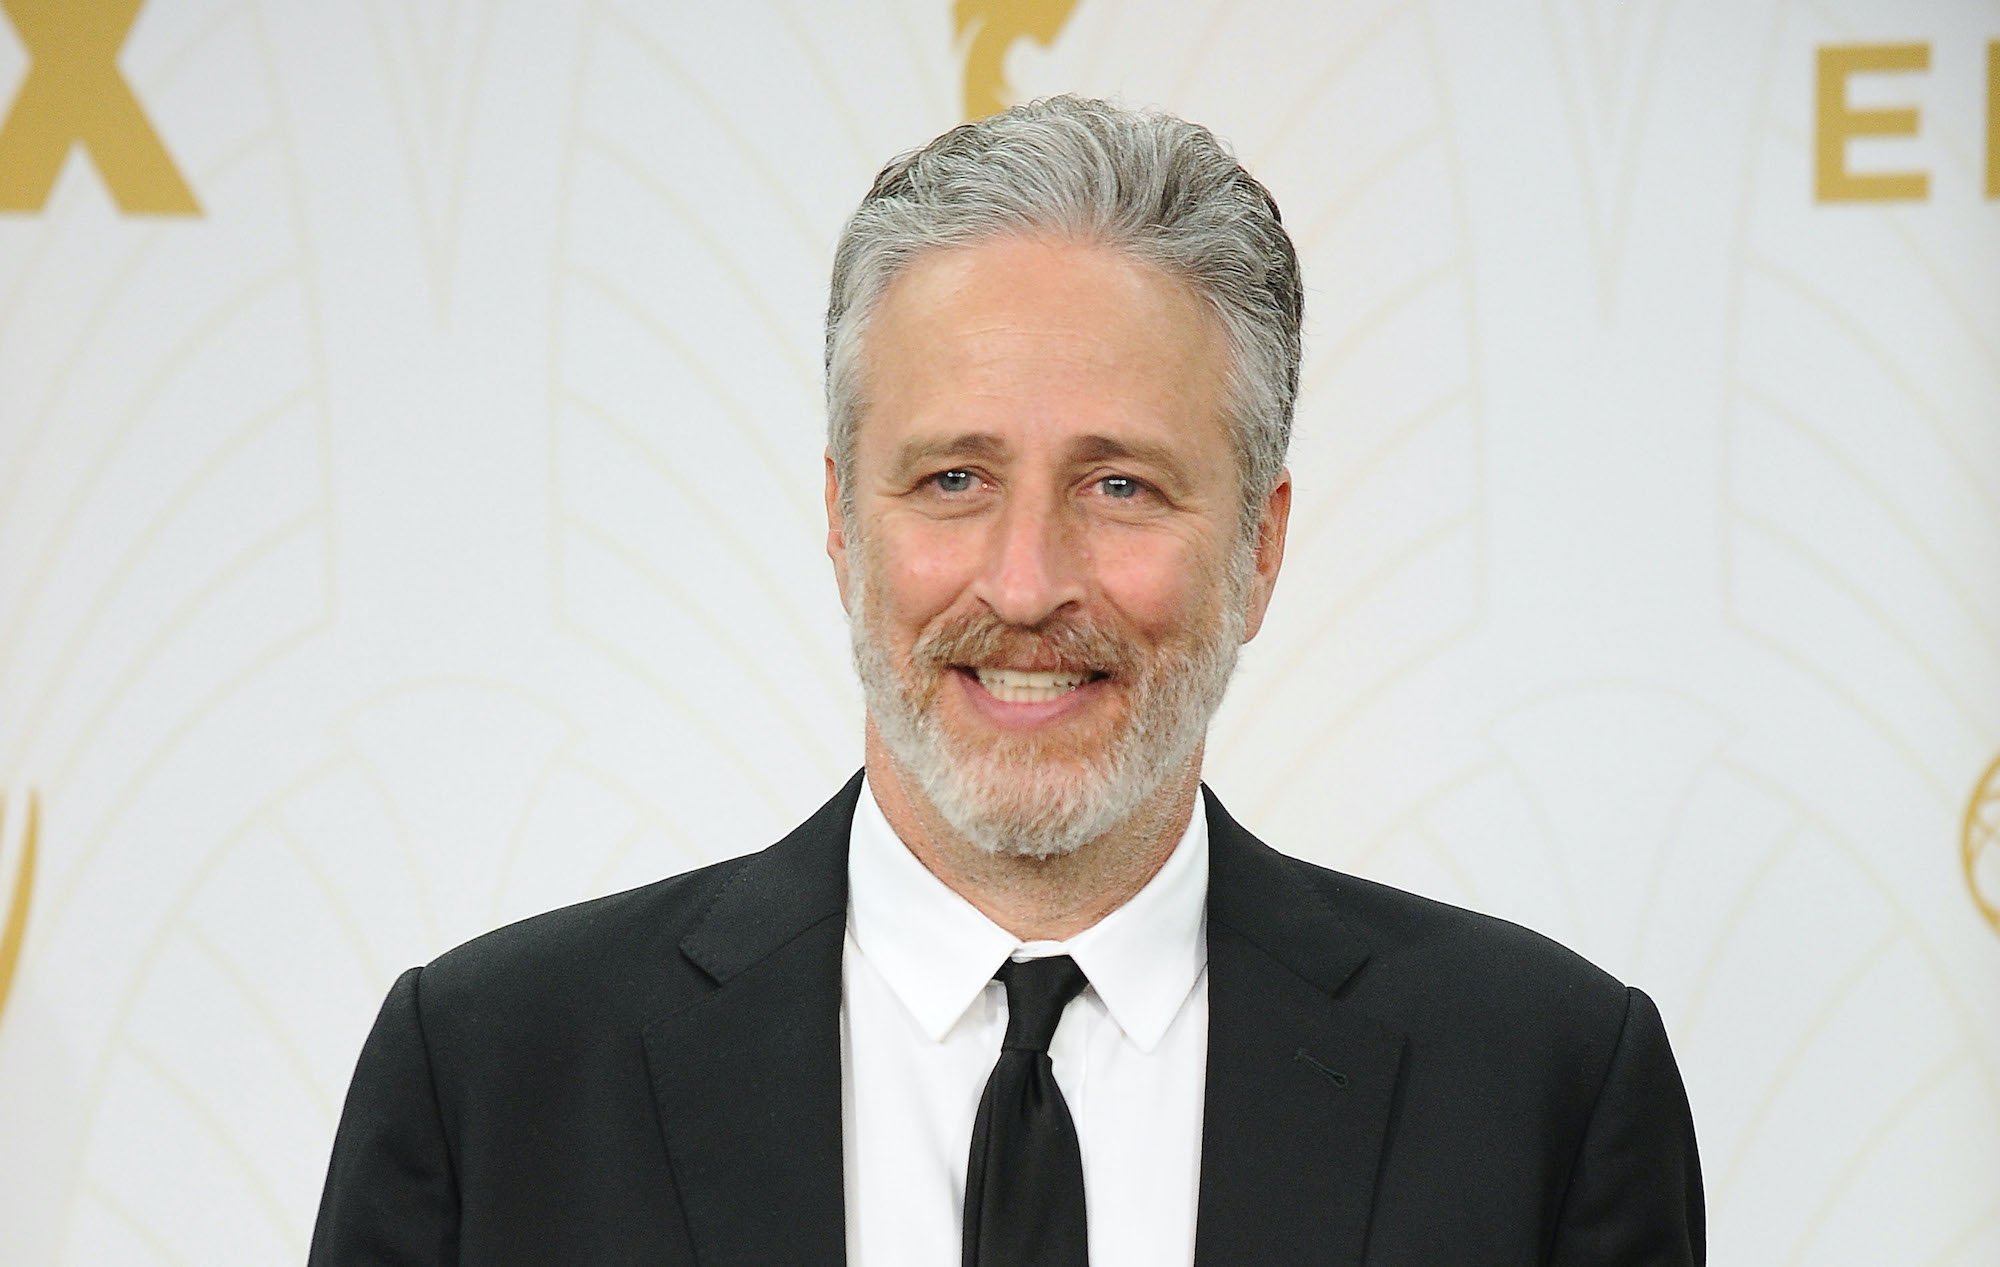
(15, 923)
(73, 94)
(1980, 845)
(987, 29)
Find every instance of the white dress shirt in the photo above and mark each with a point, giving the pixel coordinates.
(921, 1021)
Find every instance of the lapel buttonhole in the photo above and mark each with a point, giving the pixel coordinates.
(1339, 1079)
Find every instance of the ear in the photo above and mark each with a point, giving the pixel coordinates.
(836, 531)
(1270, 553)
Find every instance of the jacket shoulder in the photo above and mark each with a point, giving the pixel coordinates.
(1422, 966)
(589, 968)
(1489, 1008)
(1412, 930)
(585, 935)
(651, 948)
(601, 968)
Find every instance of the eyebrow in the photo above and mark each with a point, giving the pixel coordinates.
(1161, 458)
(918, 453)
(983, 446)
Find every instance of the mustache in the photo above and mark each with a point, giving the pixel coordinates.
(1059, 643)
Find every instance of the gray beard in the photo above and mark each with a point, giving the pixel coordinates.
(1008, 798)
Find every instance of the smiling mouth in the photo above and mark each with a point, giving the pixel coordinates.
(1031, 686)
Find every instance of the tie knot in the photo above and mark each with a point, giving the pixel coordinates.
(1037, 992)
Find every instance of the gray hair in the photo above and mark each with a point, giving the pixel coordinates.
(1156, 187)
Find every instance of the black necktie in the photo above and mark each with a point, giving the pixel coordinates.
(1024, 1182)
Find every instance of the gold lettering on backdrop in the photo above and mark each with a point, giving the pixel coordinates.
(75, 95)
(15, 925)
(1835, 123)
(1993, 119)
(992, 27)
(1980, 845)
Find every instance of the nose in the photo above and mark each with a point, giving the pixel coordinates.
(1035, 563)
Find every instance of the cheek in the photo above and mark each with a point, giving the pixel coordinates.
(1155, 582)
(920, 574)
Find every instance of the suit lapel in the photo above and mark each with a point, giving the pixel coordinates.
(747, 1078)
(1300, 1085)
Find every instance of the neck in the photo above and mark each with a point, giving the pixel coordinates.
(1037, 899)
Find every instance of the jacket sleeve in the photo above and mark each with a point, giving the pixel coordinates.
(391, 1195)
(1634, 1194)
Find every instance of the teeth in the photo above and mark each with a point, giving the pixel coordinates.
(1020, 686)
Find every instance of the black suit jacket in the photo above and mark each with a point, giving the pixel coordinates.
(654, 1077)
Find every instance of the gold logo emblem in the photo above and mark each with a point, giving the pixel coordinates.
(987, 29)
(14, 926)
(74, 95)
(1981, 845)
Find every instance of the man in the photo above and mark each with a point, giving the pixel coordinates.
(1062, 351)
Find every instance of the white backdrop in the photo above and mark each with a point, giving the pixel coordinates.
(427, 532)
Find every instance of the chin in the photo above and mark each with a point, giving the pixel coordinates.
(1055, 827)
(1029, 804)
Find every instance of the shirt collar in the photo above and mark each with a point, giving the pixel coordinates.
(937, 952)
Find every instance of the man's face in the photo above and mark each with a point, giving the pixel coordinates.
(1042, 559)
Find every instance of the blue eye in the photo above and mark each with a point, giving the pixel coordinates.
(1122, 487)
(954, 481)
